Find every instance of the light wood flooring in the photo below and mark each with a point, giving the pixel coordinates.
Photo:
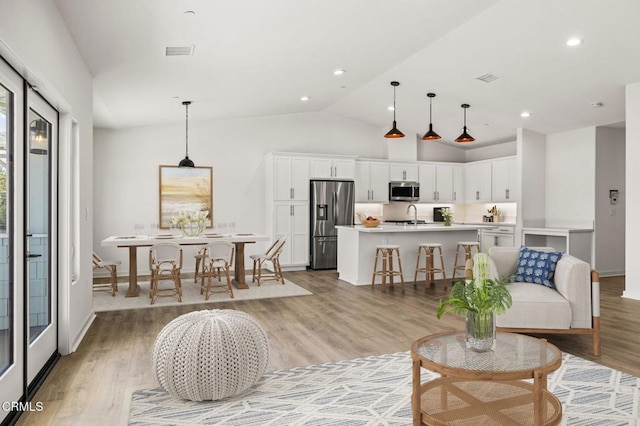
(93, 385)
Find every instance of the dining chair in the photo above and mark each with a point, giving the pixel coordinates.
(112, 267)
(217, 257)
(272, 255)
(198, 257)
(165, 263)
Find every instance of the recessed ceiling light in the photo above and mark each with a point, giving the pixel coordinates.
(574, 41)
(305, 98)
(525, 114)
(338, 72)
(390, 108)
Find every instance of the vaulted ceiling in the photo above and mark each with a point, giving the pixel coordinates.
(257, 58)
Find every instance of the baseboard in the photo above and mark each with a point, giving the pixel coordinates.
(85, 328)
(615, 273)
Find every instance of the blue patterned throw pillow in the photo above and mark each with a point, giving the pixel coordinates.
(536, 266)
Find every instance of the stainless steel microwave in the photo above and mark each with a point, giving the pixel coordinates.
(404, 191)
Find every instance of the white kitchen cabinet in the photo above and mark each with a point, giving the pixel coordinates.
(496, 237)
(372, 182)
(436, 183)
(332, 168)
(290, 178)
(503, 180)
(478, 182)
(458, 184)
(403, 172)
(292, 220)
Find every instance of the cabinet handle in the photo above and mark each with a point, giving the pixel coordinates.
(454, 195)
(404, 175)
(437, 195)
(506, 194)
(291, 210)
(495, 240)
(477, 195)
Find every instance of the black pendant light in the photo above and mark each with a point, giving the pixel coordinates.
(430, 135)
(465, 137)
(186, 162)
(394, 132)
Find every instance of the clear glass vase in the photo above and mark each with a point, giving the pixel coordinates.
(481, 330)
(193, 229)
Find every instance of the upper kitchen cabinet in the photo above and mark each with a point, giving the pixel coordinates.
(332, 168)
(478, 182)
(403, 172)
(436, 183)
(372, 182)
(504, 180)
(290, 177)
(458, 183)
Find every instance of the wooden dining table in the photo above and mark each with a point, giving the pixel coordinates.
(132, 242)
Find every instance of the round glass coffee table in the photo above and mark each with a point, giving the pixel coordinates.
(485, 387)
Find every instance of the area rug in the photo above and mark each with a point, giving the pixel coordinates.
(377, 391)
(103, 301)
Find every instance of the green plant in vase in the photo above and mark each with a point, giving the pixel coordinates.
(191, 223)
(479, 299)
(447, 215)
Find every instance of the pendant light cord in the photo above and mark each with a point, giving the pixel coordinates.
(394, 104)
(187, 131)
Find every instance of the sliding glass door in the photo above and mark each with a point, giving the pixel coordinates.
(12, 353)
(28, 240)
(40, 148)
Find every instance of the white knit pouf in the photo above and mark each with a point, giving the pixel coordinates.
(210, 355)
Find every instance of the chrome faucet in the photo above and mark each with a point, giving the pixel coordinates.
(415, 213)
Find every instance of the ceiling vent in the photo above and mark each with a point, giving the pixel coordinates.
(179, 50)
(488, 78)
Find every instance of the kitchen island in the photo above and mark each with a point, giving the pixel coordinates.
(357, 246)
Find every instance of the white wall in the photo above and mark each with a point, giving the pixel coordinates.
(531, 160)
(437, 151)
(610, 229)
(35, 40)
(505, 149)
(126, 168)
(632, 195)
(570, 178)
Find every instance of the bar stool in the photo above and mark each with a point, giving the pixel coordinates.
(429, 268)
(387, 252)
(467, 246)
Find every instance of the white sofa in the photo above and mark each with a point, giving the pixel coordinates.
(572, 307)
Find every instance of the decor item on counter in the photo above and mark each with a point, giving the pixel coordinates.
(430, 135)
(465, 137)
(496, 214)
(447, 215)
(190, 223)
(371, 222)
(186, 189)
(480, 299)
(394, 132)
(186, 162)
(210, 355)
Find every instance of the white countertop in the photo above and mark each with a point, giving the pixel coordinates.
(556, 229)
(431, 227)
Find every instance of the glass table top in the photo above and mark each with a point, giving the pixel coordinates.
(510, 353)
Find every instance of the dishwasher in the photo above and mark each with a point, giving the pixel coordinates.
(501, 236)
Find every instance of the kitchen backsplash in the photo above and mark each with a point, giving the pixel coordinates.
(472, 212)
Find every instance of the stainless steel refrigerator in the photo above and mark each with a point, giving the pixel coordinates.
(332, 204)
